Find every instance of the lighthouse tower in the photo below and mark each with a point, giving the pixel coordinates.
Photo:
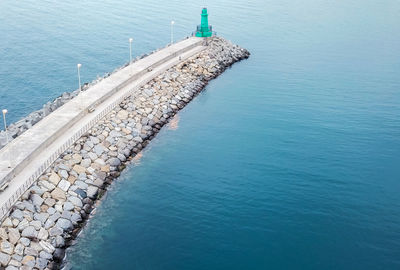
(204, 30)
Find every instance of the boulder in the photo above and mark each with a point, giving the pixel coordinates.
(58, 194)
(3, 234)
(92, 192)
(64, 185)
(4, 259)
(29, 232)
(114, 162)
(29, 261)
(79, 169)
(55, 231)
(36, 200)
(68, 206)
(43, 234)
(13, 235)
(54, 178)
(47, 247)
(122, 114)
(63, 174)
(64, 224)
(75, 201)
(6, 247)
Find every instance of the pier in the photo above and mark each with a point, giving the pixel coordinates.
(25, 158)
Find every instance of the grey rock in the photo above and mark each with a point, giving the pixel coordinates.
(55, 216)
(64, 224)
(3, 234)
(19, 249)
(7, 223)
(66, 214)
(63, 174)
(37, 190)
(82, 194)
(29, 206)
(16, 257)
(42, 217)
(92, 191)
(49, 186)
(75, 218)
(138, 139)
(36, 199)
(36, 224)
(88, 145)
(31, 251)
(17, 214)
(6, 247)
(68, 206)
(51, 211)
(64, 167)
(82, 185)
(99, 149)
(4, 258)
(45, 255)
(58, 242)
(121, 157)
(43, 234)
(115, 133)
(59, 254)
(100, 162)
(94, 140)
(41, 263)
(114, 162)
(47, 247)
(25, 241)
(75, 201)
(28, 214)
(64, 185)
(13, 235)
(99, 182)
(50, 202)
(92, 156)
(86, 163)
(49, 223)
(29, 232)
(55, 231)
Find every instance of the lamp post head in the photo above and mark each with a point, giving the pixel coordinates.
(5, 111)
(79, 65)
(172, 22)
(130, 40)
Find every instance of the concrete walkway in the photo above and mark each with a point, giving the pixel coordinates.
(34, 151)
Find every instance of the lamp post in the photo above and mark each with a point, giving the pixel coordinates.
(80, 88)
(79, 76)
(5, 128)
(130, 50)
(172, 31)
(130, 55)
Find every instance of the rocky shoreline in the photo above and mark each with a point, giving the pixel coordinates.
(50, 214)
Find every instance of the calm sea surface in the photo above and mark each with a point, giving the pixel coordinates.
(289, 160)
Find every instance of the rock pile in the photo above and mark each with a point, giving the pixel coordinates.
(38, 229)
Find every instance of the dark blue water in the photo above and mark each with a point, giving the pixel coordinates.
(289, 160)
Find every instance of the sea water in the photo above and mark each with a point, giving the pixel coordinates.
(288, 160)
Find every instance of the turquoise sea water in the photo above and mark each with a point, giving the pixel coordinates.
(289, 160)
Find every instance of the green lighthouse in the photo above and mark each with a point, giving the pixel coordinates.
(204, 30)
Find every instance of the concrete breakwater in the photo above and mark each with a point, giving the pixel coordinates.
(50, 213)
